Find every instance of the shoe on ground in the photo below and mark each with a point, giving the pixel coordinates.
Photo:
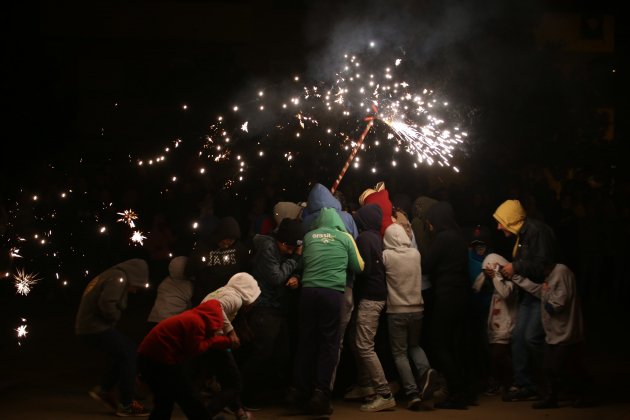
(319, 404)
(451, 404)
(429, 384)
(414, 403)
(546, 403)
(241, 414)
(108, 399)
(295, 398)
(380, 403)
(520, 394)
(134, 409)
(359, 392)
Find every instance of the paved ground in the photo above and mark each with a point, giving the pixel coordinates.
(48, 376)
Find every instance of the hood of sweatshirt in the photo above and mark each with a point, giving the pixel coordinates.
(328, 218)
(286, 209)
(396, 237)
(422, 205)
(321, 197)
(176, 268)
(511, 215)
(369, 217)
(136, 272)
(211, 313)
(245, 286)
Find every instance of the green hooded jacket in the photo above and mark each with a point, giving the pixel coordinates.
(329, 251)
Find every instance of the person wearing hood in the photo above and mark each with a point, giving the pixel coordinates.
(103, 302)
(320, 197)
(404, 315)
(446, 263)
(286, 210)
(379, 196)
(174, 294)
(241, 291)
(329, 252)
(164, 352)
(534, 252)
(500, 319)
(371, 295)
(216, 258)
(277, 267)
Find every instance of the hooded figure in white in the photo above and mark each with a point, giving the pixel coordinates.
(503, 307)
(241, 290)
(174, 294)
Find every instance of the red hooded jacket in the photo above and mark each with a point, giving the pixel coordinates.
(381, 199)
(186, 335)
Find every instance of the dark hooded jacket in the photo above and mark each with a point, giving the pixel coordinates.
(446, 260)
(184, 336)
(320, 197)
(536, 250)
(271, 270)
(212, 267)
(371, 283)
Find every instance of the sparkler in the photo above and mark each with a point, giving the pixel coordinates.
(128, 216)
(24, 282)
(21, 331)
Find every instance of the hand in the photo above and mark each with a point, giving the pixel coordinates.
(236, 342)
(292, 283)
(298, 250)
(508, 270)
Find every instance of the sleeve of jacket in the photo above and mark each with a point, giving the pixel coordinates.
(277, 272)
(431, 257)
(557, 296)
(527, 285)
(363, 247)
(199, 340)
(355, 262)
(110, 301)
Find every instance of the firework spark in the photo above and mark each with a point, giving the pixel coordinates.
(24, 282)
(137, 237)
(21, 331)
(128, 216)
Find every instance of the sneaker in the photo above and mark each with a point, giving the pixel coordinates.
(295, 398)
(429, 384)
(380, 403)
(359, 392)
(520, 394)
(106, 398)
(319, 404)
(241, 414)
(414, 403)
(546, 403)
(134, 409)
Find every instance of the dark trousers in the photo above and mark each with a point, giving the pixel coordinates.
(121, 361)
(501, 363)
(171, 384)
(223, 365)
(268, 364)
(565, 369)
(318, 341)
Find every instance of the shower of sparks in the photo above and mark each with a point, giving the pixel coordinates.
(128, 216)
(21, 331)
(332, 112)
(137, 237)
(24, 282)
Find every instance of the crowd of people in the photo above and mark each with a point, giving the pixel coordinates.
(430, 313)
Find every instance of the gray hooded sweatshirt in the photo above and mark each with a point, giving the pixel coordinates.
(174, 294)
(402, 271)
(105, 297)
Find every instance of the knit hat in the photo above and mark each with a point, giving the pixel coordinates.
(511, 215)
(290, 232)
(228, 228)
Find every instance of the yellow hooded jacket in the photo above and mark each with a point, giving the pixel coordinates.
(511, 215)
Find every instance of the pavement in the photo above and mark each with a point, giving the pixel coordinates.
(49, 374)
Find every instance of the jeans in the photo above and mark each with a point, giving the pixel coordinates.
(121, 358)
(528, 338)
(368, 316)
(404, 336)
(347, 308)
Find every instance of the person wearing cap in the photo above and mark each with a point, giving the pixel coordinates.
(216, 258)
(103, 302)
(533, 254)
(276, 266)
